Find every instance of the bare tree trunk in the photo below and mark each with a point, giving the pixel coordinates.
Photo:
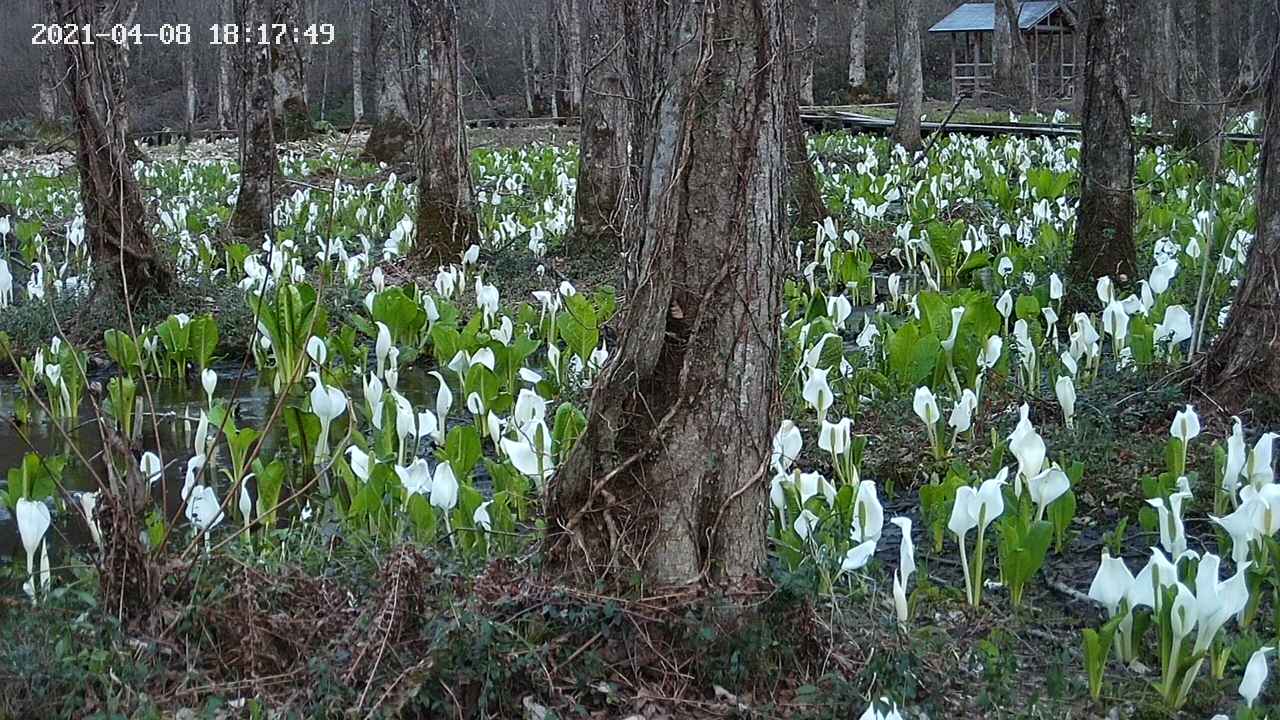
(359, 24)
(446, 205)
(189, 87)
(391, 139)
(251, 220)
(1164, 60)
(1104, 226)
(1001, 49)
(604, 196)
(802, 183)
(288, 75)
(1017, 82)
(1197, 105)
(1245, 361)
(542, 92)
(48, 81)
(669, 478)
(570, 22)
(312, 11)
(857, 49)
(892, 68)
(127, 261)
(807, 48)
(226, 110)
(906, 127)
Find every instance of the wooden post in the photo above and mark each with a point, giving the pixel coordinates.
(954, 92)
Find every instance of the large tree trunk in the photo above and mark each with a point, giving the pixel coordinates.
(292, 115)
(1245, 360)
(906, 127)
(802, 182)
(359, 24)
(1014, 77)
(251, 220)
(446, 207)
(857, 75)
(391, 138)
(668, 482)
(127, 262)
(226, 110)
(1197, 105)
(540, 90)
(604, 196)
(1104, 226)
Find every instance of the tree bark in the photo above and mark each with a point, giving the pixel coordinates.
(906, 127)
(48, 82)
(569, 20)
(226, 110)
(391, 138)
(1245, 359)
(311, 12)
(446, 206)
(891, 68)
(604, 195)
(669, 479)
(803, 192)
(359, 24)
(251, 220)
(1015, 79)
(807, 48)
(292, 115)
(1197, 104)
(1001, 49)
(189, 88)
(127, 261)
(1104, 226)
(1164, 60)
(857, 75)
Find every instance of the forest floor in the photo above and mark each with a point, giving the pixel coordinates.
(323, 620)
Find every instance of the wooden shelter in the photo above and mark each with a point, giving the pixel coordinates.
(1050, 32)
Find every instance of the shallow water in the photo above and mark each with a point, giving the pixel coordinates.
(177, 412)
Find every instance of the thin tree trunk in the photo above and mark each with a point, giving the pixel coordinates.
(802, 183)
(668, 481)
(892, 68)
(127, 261)
(226, 110)
(1245, 360)
(1104, 227)
(312, 11)
(48, 81)
(1164, 59)
(359, 24)
(570, 22)
(391, 139)
(1197, 105)
(288, 75)
(189, 87)
(906, 127)
(857, 75)
(251, 220)
(446, 206)
(542, 91)
(808, 49)
(604, 177)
